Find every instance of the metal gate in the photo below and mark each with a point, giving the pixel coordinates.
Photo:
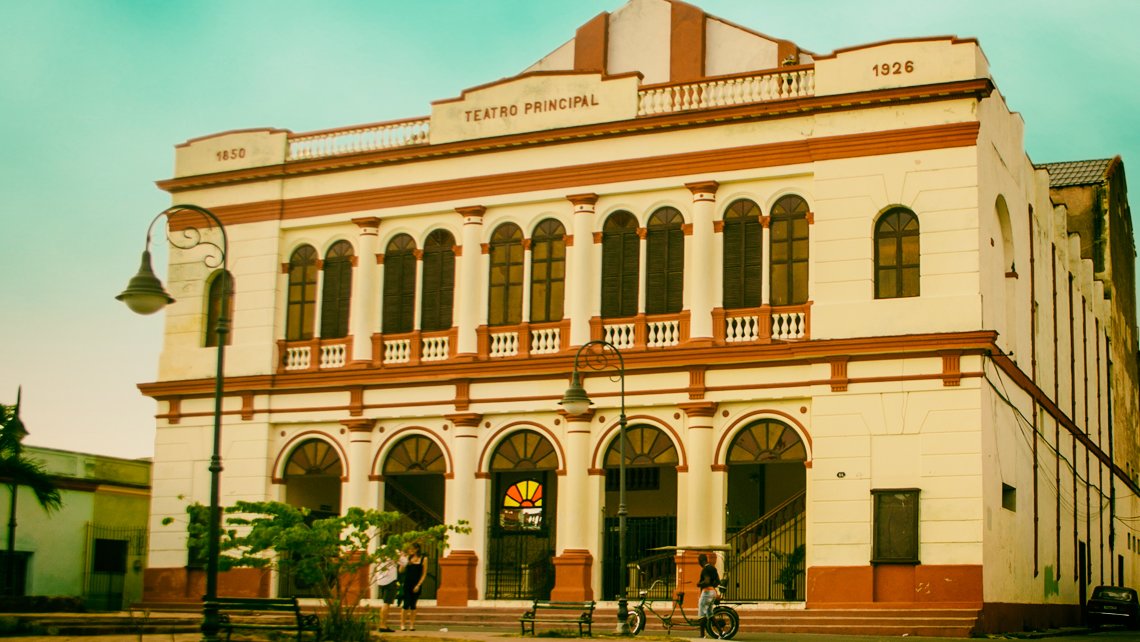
(110, 553)
(520, 567)
(642, 535)
(767, 556)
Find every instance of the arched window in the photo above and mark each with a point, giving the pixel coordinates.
(505, 282)
(665, 262)
(621, 265)
(789, 260)
(896, 254)
(743, 265)
(439, 281)
(399, 285)
(547, 271)
(337, 291)
(302, 306)
(221, 284)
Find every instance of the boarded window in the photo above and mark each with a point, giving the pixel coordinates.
(896, 526)
(547, 272)
(621, 265)
(896, 254)
(665, 262)
(221, 284)
(743, 269)
(789, 258)
(302, 306)
(439, 281)
(505, 281)
(337, 291)
(399, 285)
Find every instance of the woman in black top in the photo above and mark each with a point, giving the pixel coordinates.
(414, 574)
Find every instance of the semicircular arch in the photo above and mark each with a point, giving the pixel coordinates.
(728, 438)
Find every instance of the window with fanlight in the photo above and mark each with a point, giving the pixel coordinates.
(399, 309)
(439, 281)
(219, 296)
(302, 301)
(505, 284)
(788, 256)
(896, 254)
(336, 294)
(547, 272)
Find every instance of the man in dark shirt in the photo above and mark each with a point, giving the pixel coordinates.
(708, 583)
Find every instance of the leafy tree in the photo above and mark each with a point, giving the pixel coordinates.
(17, 470)
(338, 556)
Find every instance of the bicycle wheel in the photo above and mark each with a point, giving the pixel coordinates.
(724, 623)
(635, 620)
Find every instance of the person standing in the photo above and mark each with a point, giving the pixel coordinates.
(386, 579)
(709, 583)
(414, 573)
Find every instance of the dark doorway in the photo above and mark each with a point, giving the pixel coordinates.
(414, 471)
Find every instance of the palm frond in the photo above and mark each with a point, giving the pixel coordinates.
(19, 471)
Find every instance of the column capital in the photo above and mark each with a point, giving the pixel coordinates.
(703, 190)
(698, 408)
(369, 225)
(358, 425)
(585, 416)
(465, 419)
(581, 200)
(472, 214)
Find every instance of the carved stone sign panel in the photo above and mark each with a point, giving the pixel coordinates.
(534, 102)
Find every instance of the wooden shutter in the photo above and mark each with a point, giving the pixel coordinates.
(665, 262)
(337, 291)
(439, 281)
(621, 263)
(399, 286)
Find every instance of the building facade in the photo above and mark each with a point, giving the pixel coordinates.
(855, 328)
(94, 546)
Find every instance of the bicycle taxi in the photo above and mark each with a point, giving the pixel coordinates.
(652, 586)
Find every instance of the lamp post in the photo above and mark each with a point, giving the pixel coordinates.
(603, 355)
(145, 295)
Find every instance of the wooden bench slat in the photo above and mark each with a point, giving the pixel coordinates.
(231, 609)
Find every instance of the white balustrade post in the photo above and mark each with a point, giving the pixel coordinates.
(363, 314)
(470, 292)
(699, 277)
(581, 279)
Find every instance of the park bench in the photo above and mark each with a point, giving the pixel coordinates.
(551, 612)
(254, 613)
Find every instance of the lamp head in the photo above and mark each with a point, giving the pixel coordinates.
(575, 401)
(144, 293)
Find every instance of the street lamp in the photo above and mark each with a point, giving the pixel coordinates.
(603, 355)
(145, 295)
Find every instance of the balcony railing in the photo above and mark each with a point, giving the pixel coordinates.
(314, 354)
(524, 339)
(642, 332)
(763, 324)
(781, 84)
(726, 91)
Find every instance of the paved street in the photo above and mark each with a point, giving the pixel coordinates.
(477, 635)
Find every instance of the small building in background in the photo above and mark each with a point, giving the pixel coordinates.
(94, 547)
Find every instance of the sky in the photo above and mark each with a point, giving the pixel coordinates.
(95, 94)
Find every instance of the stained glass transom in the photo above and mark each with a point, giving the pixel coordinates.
(766, 440)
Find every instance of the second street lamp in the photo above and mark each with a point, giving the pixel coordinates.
(602, 355)
(145, 295)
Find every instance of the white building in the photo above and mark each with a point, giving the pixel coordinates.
(850, 316)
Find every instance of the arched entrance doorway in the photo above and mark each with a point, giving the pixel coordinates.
(521, 527)
(651, 504)
(414, 471)
(764, 524)
(312, 478)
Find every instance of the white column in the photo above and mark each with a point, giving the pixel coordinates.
(573, 488)
(766, 262)
(701, 498)
(581, 278)
(642, 249)
(469, 293)
(699, 277)
(461, 500)
(363, 311)
(417, 314)
(359, 462)
(527, 256)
